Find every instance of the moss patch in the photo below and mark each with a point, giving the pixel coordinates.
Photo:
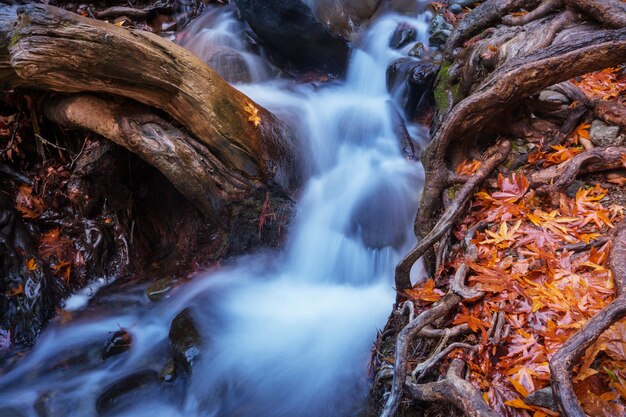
(444, 86)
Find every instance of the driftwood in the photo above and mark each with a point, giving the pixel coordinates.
(217, 155)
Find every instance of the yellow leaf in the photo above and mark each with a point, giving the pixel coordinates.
(518, 403)
(31, 264)
(254, 114)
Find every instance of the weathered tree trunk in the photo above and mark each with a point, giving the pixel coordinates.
(226, 148)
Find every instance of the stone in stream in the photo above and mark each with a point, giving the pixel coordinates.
(292, 31)
(403, 35)
(185, 340)
(159, 288)
(410, 83)
(113, 395)
(230, 65)
(417, 50)
(117, 343)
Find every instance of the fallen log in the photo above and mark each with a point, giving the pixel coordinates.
(46, 48)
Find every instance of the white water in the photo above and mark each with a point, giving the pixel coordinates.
(286, 333)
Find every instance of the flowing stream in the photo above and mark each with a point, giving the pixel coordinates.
(285, 333)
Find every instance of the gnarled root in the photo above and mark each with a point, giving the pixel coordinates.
(495, 156)
(453, 389)
(559, 177)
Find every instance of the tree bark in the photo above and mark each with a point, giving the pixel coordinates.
(226, 157)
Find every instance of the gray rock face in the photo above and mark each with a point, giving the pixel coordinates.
(602, 134)
(553, 97)
(439, 30)
(542, 398)
(294, 33)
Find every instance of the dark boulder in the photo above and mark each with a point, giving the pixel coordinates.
(117, 343)
(410, 83)
(344, 17)
(403, 35)
(116, 396)
(185, 340)
(294, 34)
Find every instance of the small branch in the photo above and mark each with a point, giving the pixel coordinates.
(581, 247)
(594, 160)
(544, 9)
(130, 12)
(423, 367)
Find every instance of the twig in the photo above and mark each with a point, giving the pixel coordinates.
(61, 148)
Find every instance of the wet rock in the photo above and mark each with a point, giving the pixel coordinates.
(379, 217)
(456, 8)
(410, 83)
(542, 398)
(53, 404)
(417, 50)
(553, 97)
(602, 134)
(573, 188)
(113, 395)
(403, 34)
(159, 288)
(168, 372)
(462, 3)
(294, 33)
(410, 150)
(439, 31)
(345, 16)
(117, 343)
(185, 340)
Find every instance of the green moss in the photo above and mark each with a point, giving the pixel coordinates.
(15, 38)
(444, 86)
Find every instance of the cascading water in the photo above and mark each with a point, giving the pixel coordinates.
(284, 334)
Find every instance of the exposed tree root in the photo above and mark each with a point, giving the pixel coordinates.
(563, 362)
(558, 177)
(425, 366)
(453, 389)
(505, 86)
(494, 157)
(408, 333)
